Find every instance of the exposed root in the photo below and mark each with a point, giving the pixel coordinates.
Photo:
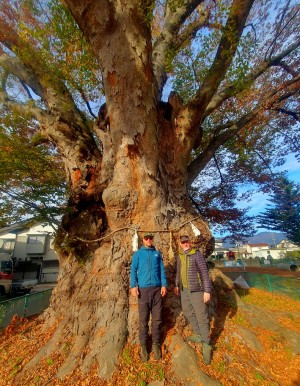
(72, 360)
(185, 363)
(47, 349)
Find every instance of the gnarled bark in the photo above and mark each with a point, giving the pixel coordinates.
(136, 174)
(90, 302)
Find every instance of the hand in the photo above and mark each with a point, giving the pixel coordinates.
(134, 291)
(163, 291)
(176, 291)
(206, 297)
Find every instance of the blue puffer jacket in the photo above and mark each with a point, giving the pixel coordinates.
(147, 269)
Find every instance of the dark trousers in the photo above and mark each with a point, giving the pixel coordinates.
(149, 301)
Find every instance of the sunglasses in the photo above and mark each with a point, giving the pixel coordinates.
(184, 242)
(148, 238)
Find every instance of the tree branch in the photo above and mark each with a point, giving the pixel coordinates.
(38, 76)
(14, 66)
(288, 68)
(191, 30)
(293, 114)
(258, 154)
(280, 28)
(234, 127)
(227, 48)
(26, 90)
(46, 215)
(83, 96)
(175, 17)
(253, 29)
(233, 90)
(218, 167)
(24, 109)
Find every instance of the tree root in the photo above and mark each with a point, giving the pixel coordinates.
(185, 363)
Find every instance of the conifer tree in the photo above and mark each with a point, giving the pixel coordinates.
(283, 214)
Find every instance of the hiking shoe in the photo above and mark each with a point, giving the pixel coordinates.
(144, 353)
(194, 339)
(156, 351)
(207, 353)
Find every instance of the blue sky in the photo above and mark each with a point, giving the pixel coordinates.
(260, 200)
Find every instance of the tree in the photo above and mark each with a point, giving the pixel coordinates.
(132, 162)
(31, 174)
(283, 213)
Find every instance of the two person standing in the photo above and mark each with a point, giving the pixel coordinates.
(148, 283)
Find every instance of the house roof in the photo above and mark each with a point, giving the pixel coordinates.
(18, 226)
(15, 228)
(259, 245)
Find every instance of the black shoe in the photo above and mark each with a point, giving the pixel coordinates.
(144, 353)
(156, 351)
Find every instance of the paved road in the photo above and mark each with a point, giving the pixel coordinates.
(42, 287)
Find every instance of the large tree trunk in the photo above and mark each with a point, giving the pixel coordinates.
(141, 183)
(90, 303)
(134, 175)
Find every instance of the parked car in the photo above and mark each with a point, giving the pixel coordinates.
(22, 286)
(8, 285)
(6, 274)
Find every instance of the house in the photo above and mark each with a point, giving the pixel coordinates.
(286, 245)
(265, 251)
(30, 247)
(219, 250)
(252, 252)
(258, 249)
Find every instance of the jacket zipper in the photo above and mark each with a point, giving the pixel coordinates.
(187, 270)
(150, 266)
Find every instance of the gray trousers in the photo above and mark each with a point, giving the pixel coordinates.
(149, 301)
(196, 311)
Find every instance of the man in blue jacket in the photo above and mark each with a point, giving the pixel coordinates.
(194, 286)
(148, 282)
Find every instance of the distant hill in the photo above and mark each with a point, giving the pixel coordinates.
(271, 238)
(267, 237)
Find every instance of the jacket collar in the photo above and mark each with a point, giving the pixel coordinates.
(191, 251)
(147, 248)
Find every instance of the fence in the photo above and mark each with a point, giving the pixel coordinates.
(281, 285)
(24, 306)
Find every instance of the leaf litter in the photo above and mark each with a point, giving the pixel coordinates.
(233, 364)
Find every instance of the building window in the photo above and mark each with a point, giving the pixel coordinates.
(6, 267)
(36, 240)
(7, 245)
